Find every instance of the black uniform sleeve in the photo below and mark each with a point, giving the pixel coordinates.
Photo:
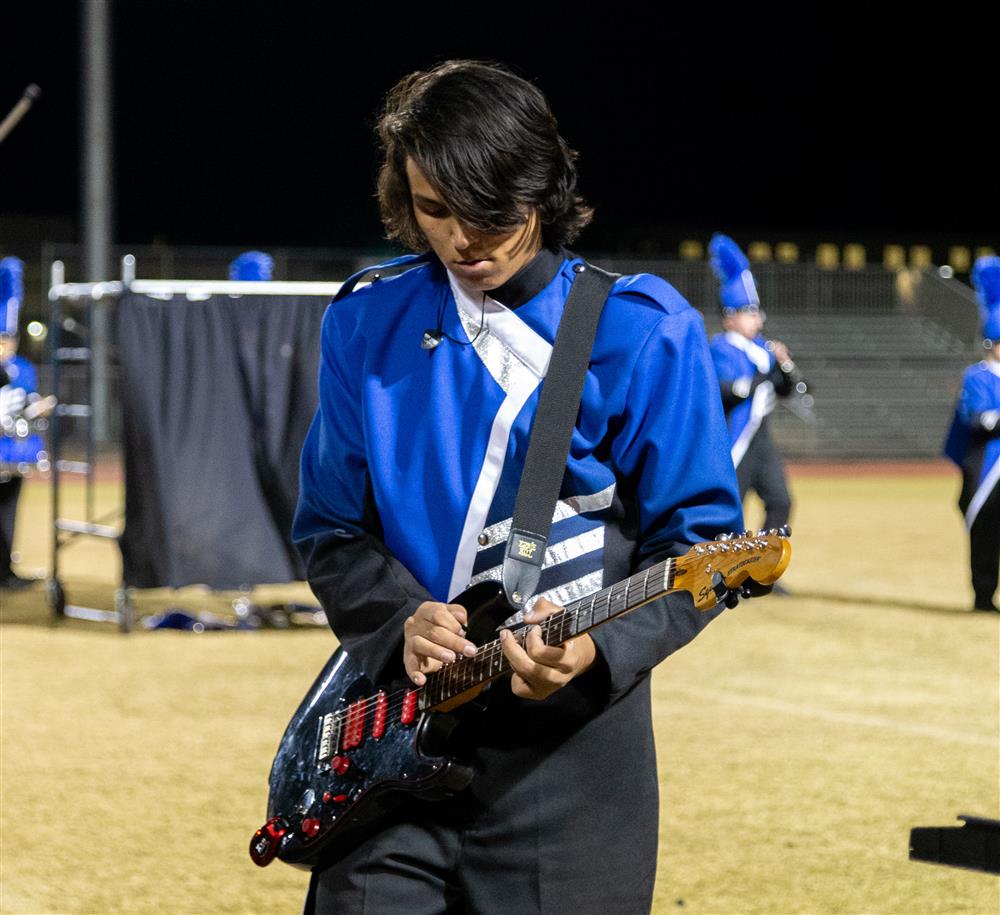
(736, 391)
(781, 380)
(730, 397)
(673, 457)
(984, 426)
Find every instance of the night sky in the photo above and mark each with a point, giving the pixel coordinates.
(250, 123)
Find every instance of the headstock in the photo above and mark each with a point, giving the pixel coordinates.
(728, 561)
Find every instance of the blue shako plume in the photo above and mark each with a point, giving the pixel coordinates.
(737, 289)
(986, 279)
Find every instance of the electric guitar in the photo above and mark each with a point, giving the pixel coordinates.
(352, 751)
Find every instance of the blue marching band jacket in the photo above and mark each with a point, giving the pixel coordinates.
(416, 456)
(408, 479)
(971, 445)
(27, 448)
(18, 372)
(747, 369)
(748, 375)
(973, 441)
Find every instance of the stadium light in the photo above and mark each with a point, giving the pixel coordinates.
(894, 257)
(786, 252)
(827, 256)
(960, 258)
(854, 257)
(691, 250)
(920, 257)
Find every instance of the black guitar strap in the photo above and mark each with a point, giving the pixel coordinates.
(552, 432)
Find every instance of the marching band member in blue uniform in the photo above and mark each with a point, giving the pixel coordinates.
(18, 379)
(974, 441)
(428, 385)
(752, 373)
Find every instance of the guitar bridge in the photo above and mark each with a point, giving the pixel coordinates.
(329, 737)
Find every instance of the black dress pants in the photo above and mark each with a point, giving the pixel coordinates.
(431, 865)
(984, 545)
(455, 858)
(561, 817)
(10, 491)
(763, 470)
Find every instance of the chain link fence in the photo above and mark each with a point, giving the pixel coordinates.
(883, 351)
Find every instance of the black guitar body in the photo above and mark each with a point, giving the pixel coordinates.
(353, 752)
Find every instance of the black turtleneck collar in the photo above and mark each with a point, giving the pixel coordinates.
(530, 280)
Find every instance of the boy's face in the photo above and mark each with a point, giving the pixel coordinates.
(8, 347)
(480, 262)
(747, 323)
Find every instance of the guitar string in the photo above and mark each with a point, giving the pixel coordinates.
(486, 656)
(492, 652)
(449, 678)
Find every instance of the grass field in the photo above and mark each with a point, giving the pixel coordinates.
(799, 738)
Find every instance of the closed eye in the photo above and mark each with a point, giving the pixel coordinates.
(431, 208)
(434, 212)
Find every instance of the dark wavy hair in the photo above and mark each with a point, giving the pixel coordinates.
(488, 143)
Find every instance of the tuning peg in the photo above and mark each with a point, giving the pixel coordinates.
(785, 530)
(722, 538)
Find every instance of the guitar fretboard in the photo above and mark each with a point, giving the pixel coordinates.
(576, 618)
(766, 552)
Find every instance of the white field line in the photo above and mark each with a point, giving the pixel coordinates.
(804, 710)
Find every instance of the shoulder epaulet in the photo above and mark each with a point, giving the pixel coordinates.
(406, 262)
(652, 287)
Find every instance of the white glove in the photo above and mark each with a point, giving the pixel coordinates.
(11, 401)
(741, 387)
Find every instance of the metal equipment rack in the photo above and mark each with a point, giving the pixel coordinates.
(107, 527)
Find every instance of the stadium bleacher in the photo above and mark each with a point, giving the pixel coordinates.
(883, 350)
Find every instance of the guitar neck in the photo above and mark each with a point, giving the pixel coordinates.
(576, 618)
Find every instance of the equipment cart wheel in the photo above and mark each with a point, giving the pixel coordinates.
(56, 598)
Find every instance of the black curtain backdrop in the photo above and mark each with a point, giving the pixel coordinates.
(217, 397)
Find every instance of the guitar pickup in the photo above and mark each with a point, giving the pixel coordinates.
(329, 737)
